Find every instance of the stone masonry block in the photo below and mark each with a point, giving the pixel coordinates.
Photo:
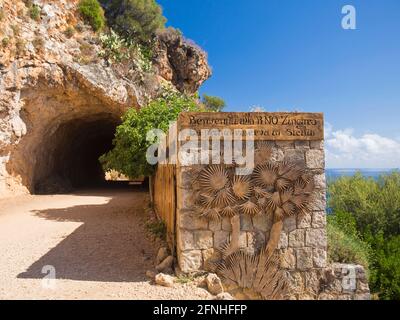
(296, 238)
(304, 221)
(316, 238)
(304, 258)
(186, 240)
(295, 156)
(192, 222)
(220, 237)
(315, 159)
(203, 239)
(319, 219)
(319, 258)
(319, 144)
(245, 223)
(190, 261)
(289, 223)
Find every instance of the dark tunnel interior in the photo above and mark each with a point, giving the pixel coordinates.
(69, 156)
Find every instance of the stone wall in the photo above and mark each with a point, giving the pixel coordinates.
(303, 241)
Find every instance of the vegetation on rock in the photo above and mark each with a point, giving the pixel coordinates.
(34, 12)
(5, 41)
(135, 19)
(344, 244)
(117, 49)
(92, 13)
(367, 211)
(130, 144)
(213, 103)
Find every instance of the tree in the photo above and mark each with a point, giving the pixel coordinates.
(130, 145)
(368, 211)
(375, 204)
(213, 103)
(134, 19)
(92, 13)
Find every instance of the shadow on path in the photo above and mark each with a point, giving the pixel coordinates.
(109, 246)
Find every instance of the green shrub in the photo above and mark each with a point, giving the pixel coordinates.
(374, 204)
(212, 103)
(184, 278)
(368, 210)
(130, 144)
(137, 20)
(158, 229)
(117, 49)
(385, 275)
(34, 12)
(5, 42)
(346, 248)
(92, 13)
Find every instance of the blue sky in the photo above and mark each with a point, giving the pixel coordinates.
(287, 55)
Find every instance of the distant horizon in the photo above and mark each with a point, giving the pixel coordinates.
(366, 169)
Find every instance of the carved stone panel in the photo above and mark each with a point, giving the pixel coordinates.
(249, 213)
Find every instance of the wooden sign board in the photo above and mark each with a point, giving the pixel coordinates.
(284, 126)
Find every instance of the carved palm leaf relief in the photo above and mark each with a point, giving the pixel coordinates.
(224, 197)
(258, 275)
(265, 175)
(250, 208)
(211, 214)
(214, 178)
(241, 186)
(278, 189)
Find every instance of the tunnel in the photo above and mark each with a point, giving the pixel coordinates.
(67, 157)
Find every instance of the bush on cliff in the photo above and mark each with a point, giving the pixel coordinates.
(130, 144)
(134, 19)
(92, 13)
(213, 103)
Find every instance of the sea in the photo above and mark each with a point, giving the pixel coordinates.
(333, 174)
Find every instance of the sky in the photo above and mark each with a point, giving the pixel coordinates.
(294, 55)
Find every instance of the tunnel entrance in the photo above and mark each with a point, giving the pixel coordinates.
(68, 157)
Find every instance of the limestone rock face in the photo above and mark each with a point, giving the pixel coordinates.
(181, 61)
(58, 98)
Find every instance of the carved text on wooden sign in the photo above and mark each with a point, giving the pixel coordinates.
(264, 125)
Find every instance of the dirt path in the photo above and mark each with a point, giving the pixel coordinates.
(95, 240)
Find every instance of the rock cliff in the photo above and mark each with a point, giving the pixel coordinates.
(60, 102)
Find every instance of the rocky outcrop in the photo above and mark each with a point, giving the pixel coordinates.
(344, 282)
(180, 61)
(57, 97)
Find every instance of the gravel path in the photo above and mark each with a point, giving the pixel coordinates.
(95, 240)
